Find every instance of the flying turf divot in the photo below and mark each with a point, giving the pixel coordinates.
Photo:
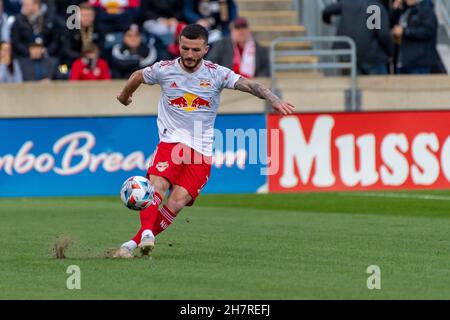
(60, 246)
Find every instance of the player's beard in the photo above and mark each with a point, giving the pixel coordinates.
(193, 63)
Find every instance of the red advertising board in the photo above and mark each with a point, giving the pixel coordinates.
(359, 151)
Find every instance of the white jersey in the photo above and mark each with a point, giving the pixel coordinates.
(189, 102)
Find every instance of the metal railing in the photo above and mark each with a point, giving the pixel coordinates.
(445, 4)
(443, 11)
(310, 12)
(351, 103)
(443, 47)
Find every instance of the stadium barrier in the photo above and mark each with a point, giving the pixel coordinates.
(88, 99)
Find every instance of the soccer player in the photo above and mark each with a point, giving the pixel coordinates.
(190, 98)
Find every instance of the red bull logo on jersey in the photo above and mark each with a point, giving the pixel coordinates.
(190, 102)
(205, 84)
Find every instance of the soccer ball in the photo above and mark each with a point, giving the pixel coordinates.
(137, 193)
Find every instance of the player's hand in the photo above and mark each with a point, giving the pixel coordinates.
(284, 108)
(126, 101)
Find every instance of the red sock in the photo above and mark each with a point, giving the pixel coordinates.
(148, 217)
(164, 219)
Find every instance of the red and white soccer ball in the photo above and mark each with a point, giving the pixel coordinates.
(137, 193)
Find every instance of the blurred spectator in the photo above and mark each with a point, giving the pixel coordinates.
(415, 31)
(174, 48)
(90, 66)
(214, 15)
(375, 48)
(116, 15)
(38, 67)
(241, 53)
(49, 6)
(5, 24)
(163, 19)
(10, 71)
(35, 22)
(12, 7)
(132, 54)
(76, 40)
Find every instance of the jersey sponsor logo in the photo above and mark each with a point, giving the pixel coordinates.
(162, 166)
(190, 102)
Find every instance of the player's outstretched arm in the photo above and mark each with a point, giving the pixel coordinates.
(135, 80)
(260, 91)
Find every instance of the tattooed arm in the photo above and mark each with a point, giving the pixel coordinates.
(260, 91)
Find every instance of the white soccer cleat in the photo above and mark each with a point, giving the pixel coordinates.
(147, 242)
(124, 253)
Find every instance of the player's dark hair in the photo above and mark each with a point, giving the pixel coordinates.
(194, 32)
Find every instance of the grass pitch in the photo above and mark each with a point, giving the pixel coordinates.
(298, 246)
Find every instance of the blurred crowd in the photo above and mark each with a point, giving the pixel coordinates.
(44, 40)
(404, 42)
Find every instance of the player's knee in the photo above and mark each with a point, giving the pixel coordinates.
(161, 185)
(177, 203)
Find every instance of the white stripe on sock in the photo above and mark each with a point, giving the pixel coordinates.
(166, 214)
(157, 199)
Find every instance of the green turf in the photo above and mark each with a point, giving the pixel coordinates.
(299, 246)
